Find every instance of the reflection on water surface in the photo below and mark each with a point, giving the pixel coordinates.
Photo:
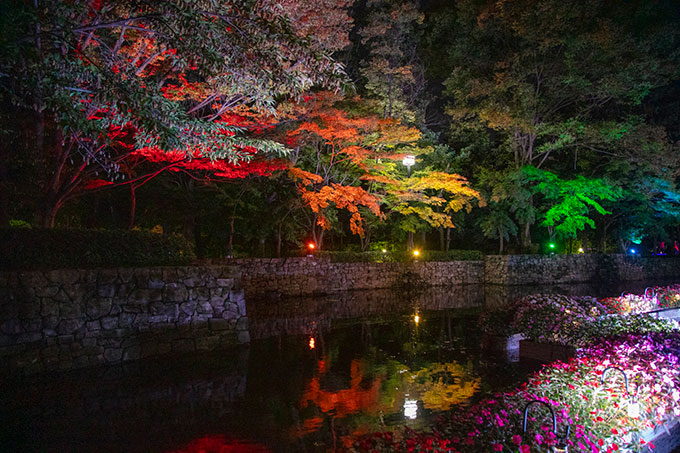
(319, 372)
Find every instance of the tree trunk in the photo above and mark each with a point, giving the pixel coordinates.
(189, 227)
(526, 237)
(49, 215)
(133, 206)
(278, 240)
(230, 241)
(4, 184)
(410, 245)
(448, 238)
(365, 240)
(500, 240)
(319, 245)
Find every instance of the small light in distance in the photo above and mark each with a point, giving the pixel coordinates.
(384, 250)
(416, 253)
(311, 246)
(580, 250)
(633, 251)
(416, 319)
(312, 343)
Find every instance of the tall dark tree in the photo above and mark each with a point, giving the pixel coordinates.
(561, 82)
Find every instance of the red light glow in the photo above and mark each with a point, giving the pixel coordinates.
(311, 246)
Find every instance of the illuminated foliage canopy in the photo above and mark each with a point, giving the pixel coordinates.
(527, 120)
(169, 69)
(162, 74)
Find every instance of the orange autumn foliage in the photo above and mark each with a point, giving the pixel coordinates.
(343, 402)
(344, 148)
(344, 197)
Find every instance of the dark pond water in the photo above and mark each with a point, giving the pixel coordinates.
(319, 372)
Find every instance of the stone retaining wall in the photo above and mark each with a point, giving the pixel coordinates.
(541, 269)
(313, 275)
(75, 318)
(70, 319)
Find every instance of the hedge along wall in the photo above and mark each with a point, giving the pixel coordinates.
(69, 319)
(318, 275)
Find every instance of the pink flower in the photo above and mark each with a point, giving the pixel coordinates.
(517, 439)
(524, 449)
(539, 439)
(497, 447)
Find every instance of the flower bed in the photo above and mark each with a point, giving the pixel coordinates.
(544, 318)
(577, 321)
(655, 298)
(597, 413)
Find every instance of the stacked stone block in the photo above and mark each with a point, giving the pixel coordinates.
(69, 319)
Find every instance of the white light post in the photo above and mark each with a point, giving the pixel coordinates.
(408, 162)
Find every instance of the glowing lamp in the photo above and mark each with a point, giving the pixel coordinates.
(633, 251)
(409, 161)
(384, 250)
(410, 408)
(416, 253)
(416, 319)
(551, 245)
(580, 250)
(311, 246)
(312, 343)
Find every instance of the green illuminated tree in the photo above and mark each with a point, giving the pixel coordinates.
(571, 203)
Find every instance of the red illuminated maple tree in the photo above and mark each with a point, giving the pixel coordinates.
(167, 70)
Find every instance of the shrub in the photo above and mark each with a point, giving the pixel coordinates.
(551, 318)
(613, 325)
(39, 248)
